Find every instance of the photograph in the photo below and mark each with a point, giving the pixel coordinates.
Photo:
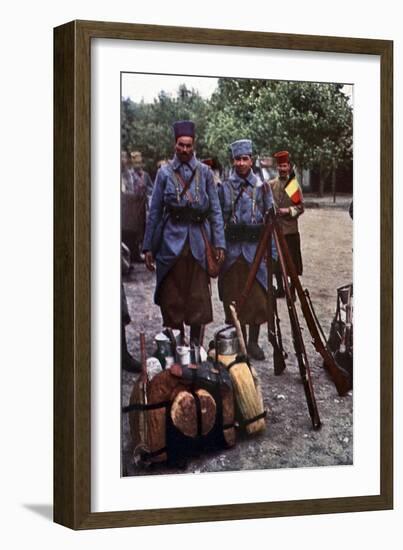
(236, 274)
(223, 293)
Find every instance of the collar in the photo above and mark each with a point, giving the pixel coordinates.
(236, 180)
(176, 163)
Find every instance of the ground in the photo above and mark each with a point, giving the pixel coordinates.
(289, 440)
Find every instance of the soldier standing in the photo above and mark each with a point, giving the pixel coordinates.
(136, 191)
(288, 200)
(244, 200)
(183, 201)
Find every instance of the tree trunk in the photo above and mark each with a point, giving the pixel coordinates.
(334, 181)
(321, 181)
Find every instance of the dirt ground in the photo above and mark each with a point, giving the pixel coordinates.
(289, 440)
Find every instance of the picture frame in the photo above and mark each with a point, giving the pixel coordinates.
(72, 274)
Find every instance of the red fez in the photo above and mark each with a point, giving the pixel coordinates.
(282, 157)
(209, 162)
(184, 128)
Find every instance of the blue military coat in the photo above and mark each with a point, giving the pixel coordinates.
(255, 200)
(165, 237)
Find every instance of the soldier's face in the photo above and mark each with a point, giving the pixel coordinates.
(283, 169)
(137, 163)
(184, 147)
(242, 164)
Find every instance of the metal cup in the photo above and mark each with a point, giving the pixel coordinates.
(183, 353)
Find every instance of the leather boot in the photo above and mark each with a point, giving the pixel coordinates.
(254, 350)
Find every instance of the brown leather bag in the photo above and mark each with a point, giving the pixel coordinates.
(213, 267)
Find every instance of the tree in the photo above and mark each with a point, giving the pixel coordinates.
(148, 127)
(311, 120)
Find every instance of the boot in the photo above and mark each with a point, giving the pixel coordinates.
(254, 350)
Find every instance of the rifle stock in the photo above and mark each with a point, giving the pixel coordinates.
(260, 252)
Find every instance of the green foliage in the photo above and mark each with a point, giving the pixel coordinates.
(311, 120)
(148, 127)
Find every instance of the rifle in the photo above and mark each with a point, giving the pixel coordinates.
(338, 374)
(273, 329)
(263, 248)
(271, 229)
(298, 341)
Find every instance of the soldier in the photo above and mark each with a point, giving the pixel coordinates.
(184, 199)
(129, 363)
(288, 200)
(141, 178)
(136, 191)
(244, 200)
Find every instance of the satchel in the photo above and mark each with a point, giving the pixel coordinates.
(213, 267)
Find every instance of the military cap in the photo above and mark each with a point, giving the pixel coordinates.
(241, 147)
(282, 157)
(184, 128)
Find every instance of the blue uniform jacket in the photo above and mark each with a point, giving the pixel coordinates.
(250, 208)
(166, 238)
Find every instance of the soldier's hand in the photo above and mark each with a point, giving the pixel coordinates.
(149, 260)
(220, 255)
(283, 211)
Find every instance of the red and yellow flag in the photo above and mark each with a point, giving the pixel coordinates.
(293, 191)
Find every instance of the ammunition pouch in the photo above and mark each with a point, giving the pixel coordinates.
(243, 232)
(186, 214)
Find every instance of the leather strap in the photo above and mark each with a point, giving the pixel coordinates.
(143, 407)
(251, 420)
(185, 184)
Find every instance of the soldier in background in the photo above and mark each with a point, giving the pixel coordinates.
(136, 192)
(288, 200)
(215, 168)
(129, 363)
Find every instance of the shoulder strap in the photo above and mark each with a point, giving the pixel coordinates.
(185, 184)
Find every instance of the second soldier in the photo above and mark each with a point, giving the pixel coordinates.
(244, 200)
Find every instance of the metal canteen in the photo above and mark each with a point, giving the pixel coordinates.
(163, 342)
(183, 353)
(164, 346)
(164, 352)
(226, 341)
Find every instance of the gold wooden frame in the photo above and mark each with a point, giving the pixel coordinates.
(72, 327)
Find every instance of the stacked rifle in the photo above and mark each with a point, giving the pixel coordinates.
(272, 230)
